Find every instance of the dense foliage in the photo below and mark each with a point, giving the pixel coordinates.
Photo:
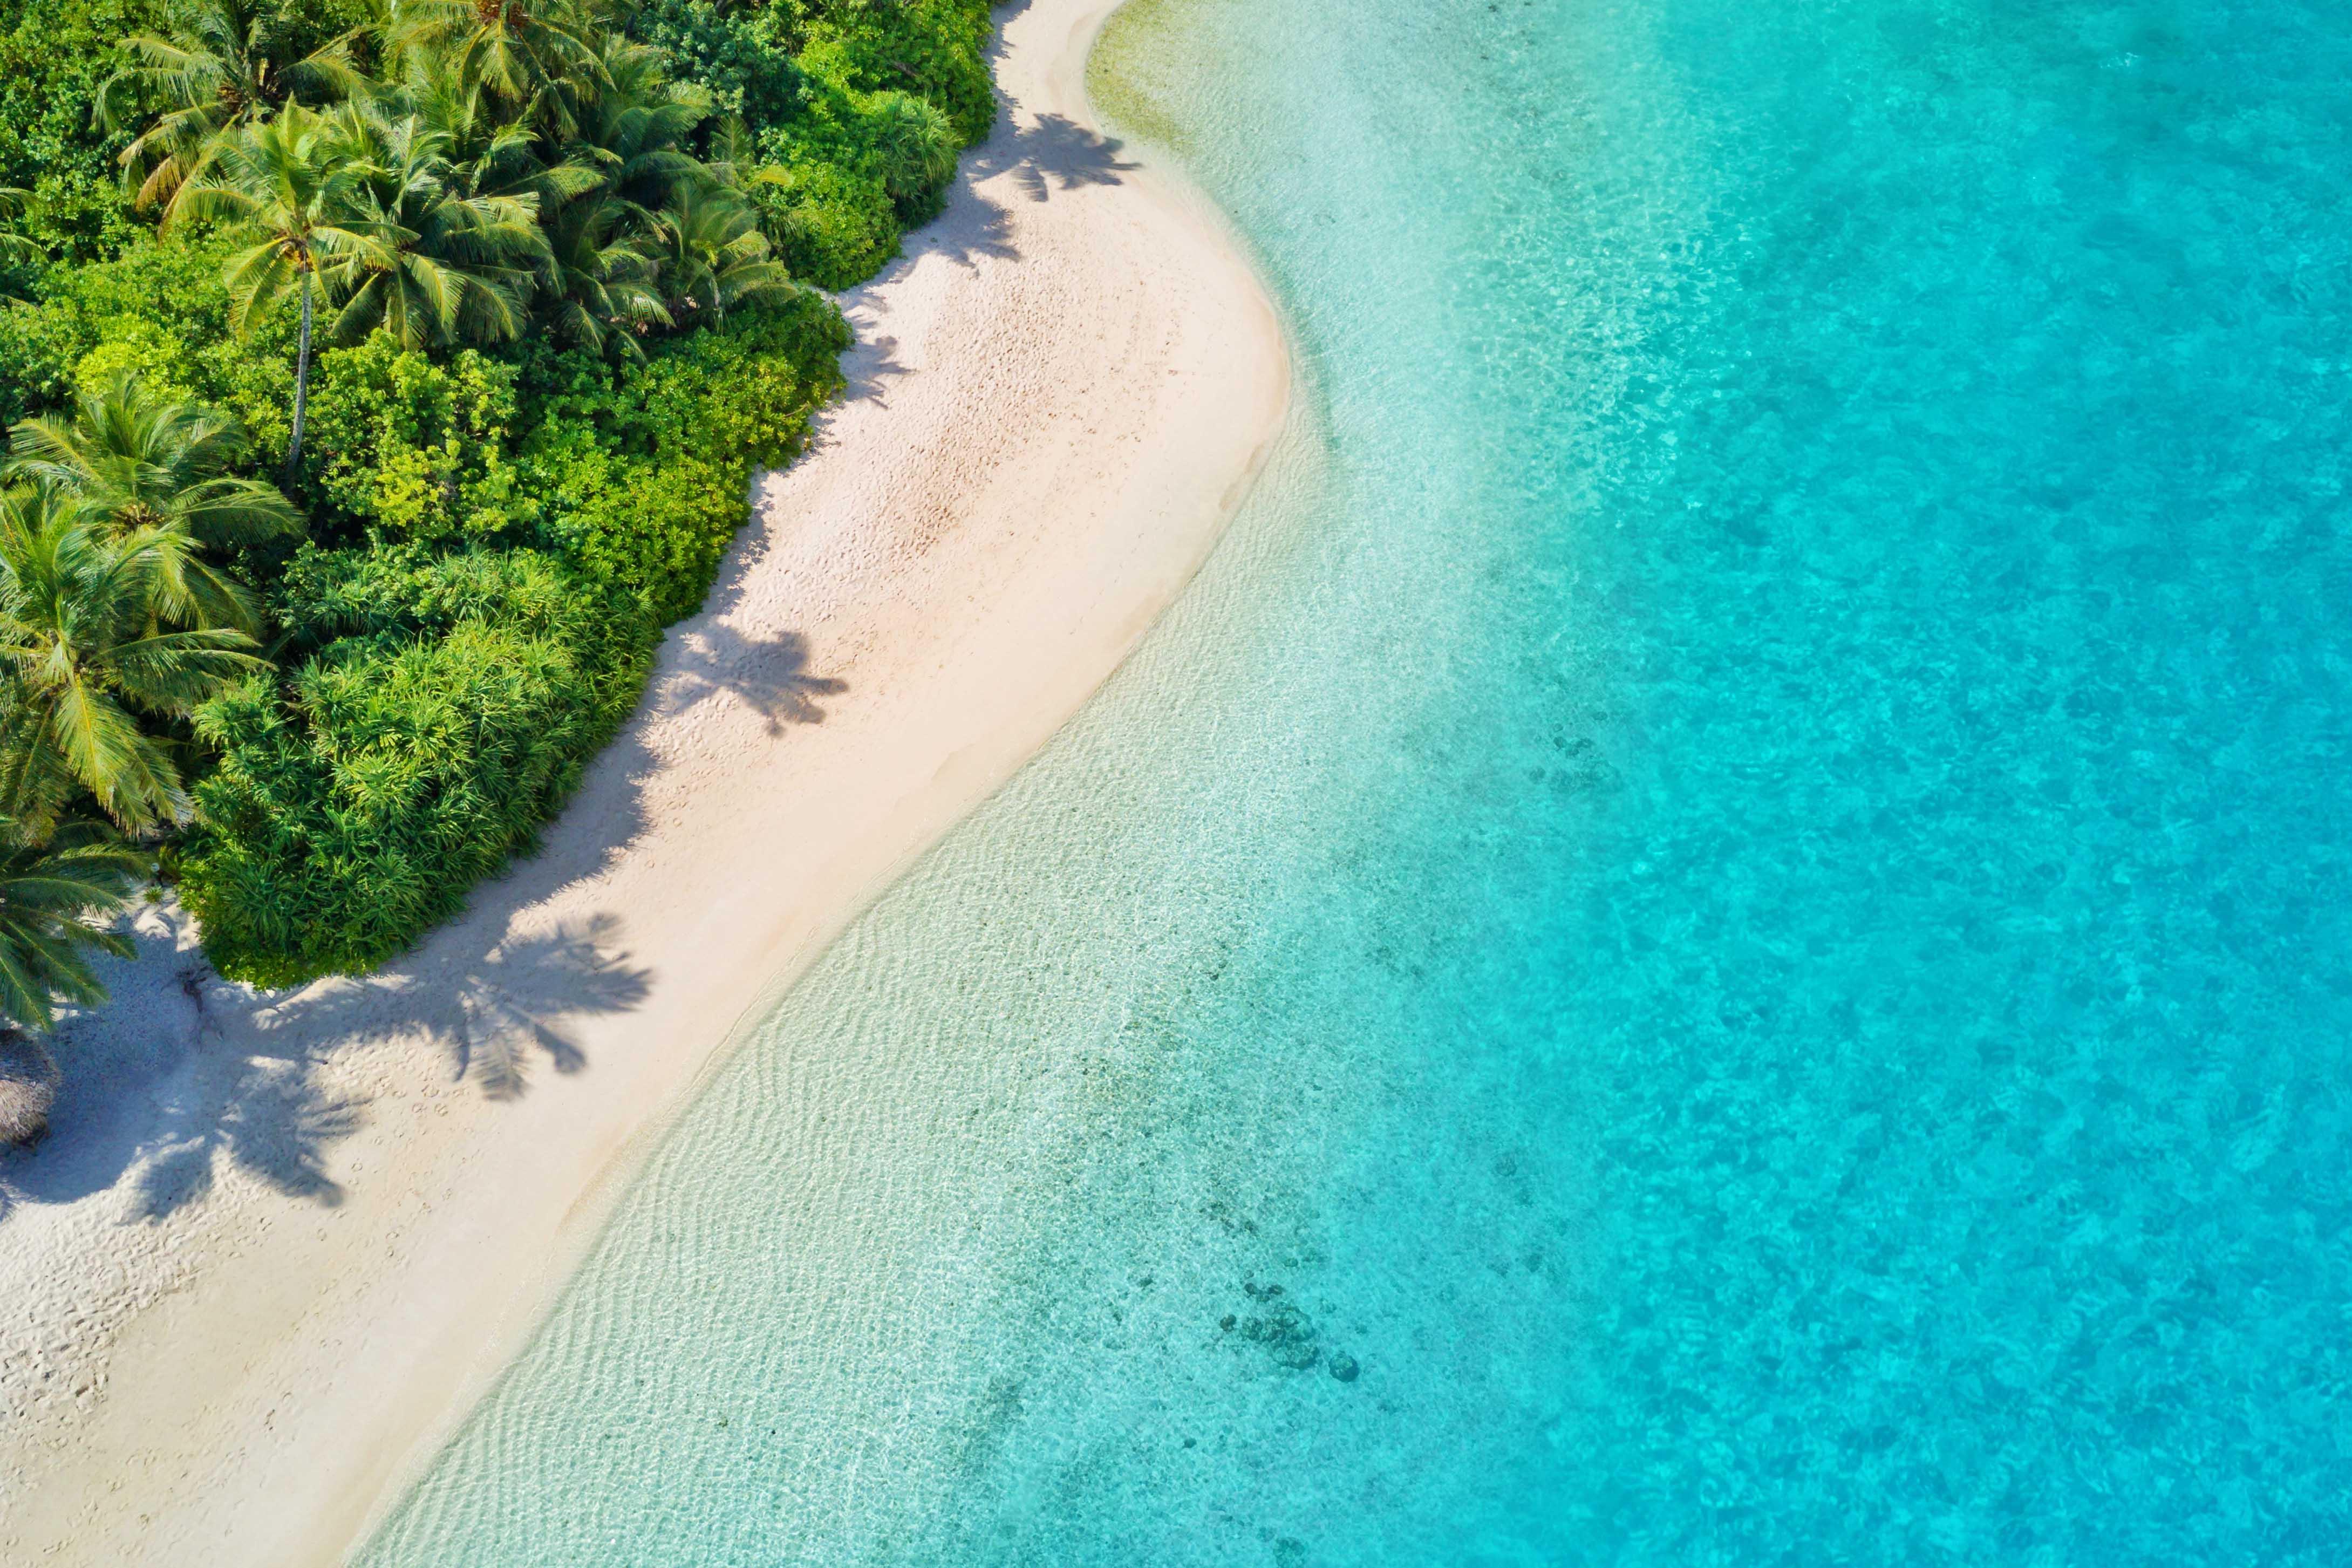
(452, 707)
(381, 376)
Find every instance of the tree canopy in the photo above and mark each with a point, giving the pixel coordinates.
(380, 376)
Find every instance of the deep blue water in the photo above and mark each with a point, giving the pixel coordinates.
(1734, 883)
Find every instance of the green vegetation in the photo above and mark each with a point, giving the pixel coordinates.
(55, 903)
(381, 377)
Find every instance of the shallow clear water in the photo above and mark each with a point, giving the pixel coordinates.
(1734, 884)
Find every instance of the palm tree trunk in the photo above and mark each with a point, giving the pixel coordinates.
(301, 383)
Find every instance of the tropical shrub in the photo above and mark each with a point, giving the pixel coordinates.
(833, 226)
(741, 54)
(915, 152)
(384, 374)
(936, 49)
(643, 472)
(417, 449)
(354, 809)
(156, 310)
(54, 57)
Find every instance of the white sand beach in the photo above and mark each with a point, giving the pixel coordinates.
(277, 1243)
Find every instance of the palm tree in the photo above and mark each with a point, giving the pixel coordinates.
(412, 254)
(519, 51)
(14, 248)
(599, 282)
(275, 185)
(53, 896)
(916, 147)
(711, 255)
(216, 70)
(134, 461)
(631, 121)
(81, 656)
(488, 152)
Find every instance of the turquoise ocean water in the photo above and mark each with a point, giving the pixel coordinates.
(1719, 934)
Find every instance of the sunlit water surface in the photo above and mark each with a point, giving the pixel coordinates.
(1718, 936)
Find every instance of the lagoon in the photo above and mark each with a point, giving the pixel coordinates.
(1715, 935)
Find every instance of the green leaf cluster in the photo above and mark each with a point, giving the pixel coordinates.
(742, 55)
(511, 303)
(414, 448)
(355, 805)
(54, 56)
(58, 900)
(642, 471)
(157, 309)
(935, 49)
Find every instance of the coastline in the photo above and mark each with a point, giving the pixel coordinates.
(246, 1308)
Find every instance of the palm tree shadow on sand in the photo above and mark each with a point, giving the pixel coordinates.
(769, 675)
(223, 1077)
(1044, 155)
(184, 1076)
(214, 1076)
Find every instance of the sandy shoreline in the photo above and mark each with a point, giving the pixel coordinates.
(279, 1244)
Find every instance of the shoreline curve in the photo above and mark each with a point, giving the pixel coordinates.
(257, 1280)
